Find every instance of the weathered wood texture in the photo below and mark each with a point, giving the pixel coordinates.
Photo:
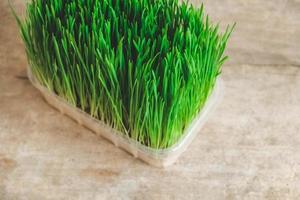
(267, 32)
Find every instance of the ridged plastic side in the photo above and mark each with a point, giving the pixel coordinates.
(155, 157)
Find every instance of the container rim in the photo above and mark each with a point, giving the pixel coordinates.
(188, 133)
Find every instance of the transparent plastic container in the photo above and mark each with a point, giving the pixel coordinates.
(155, 157)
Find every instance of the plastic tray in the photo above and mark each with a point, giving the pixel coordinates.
(155, 157)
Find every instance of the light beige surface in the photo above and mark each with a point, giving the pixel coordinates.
(249, 149)
(267, 31)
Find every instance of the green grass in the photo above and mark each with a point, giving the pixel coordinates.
(145, 67)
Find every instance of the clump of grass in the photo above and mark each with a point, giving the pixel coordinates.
(145, 67)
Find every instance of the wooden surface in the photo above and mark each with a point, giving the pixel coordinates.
(249, 148)
(267, 32)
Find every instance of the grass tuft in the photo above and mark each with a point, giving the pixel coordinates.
(145, 67)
